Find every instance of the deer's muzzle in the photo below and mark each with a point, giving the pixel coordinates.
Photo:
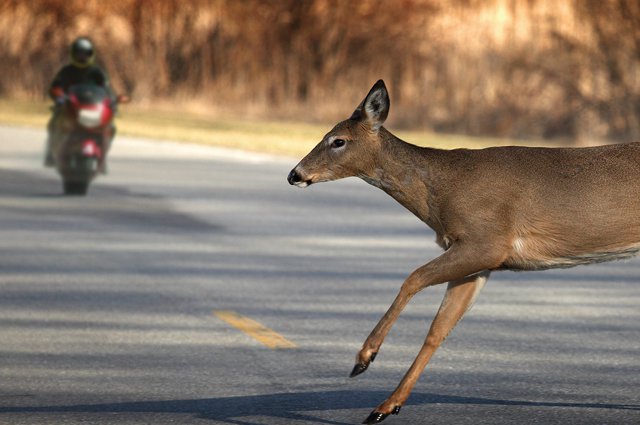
(294, 178)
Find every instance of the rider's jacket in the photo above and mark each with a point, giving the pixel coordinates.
(70, 75)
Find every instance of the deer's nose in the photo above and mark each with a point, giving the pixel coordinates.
(294, 177)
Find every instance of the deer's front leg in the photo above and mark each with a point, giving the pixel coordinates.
(458, 299)
(456, 263)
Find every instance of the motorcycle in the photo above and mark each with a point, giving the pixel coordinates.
(83, 133)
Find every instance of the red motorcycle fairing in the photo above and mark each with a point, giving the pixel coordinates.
(91, 149)
(85, 133)
(91, 116)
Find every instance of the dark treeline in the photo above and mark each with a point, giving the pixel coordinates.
(530, 68)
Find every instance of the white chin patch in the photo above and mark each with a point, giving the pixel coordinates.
(302, 184)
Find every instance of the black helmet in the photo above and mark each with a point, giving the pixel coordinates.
(82, 52)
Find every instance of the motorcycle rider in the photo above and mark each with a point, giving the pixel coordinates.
(81, 70)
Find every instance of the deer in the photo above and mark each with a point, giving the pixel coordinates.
(498, 208)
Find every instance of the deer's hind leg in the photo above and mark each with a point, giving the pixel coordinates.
(458, 299)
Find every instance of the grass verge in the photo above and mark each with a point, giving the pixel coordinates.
(274, 137)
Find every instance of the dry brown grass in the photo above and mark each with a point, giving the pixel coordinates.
(508, 68)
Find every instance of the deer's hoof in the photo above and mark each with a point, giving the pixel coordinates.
(377, 417)
(358, 369)
(361, 367)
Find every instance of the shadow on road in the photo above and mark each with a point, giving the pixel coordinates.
(110, 208)
(30, 185)
(290, 405)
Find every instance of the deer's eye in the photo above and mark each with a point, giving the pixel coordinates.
(338, 143)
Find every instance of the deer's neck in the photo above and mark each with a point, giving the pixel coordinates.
(407, 173)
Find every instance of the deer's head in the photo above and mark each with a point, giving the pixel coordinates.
(351, 147)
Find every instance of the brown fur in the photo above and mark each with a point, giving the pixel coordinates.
(512, 208)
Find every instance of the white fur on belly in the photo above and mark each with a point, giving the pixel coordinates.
(527, 256)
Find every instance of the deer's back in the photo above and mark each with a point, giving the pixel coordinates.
(545, 207)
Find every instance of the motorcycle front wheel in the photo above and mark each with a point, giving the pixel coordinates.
(75, 188)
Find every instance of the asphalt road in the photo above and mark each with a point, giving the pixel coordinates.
(107, 304)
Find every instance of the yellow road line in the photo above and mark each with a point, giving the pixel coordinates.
(252, 328)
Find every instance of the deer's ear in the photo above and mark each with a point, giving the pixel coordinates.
(375, 107)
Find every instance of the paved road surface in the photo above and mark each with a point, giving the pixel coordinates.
(107, 304)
